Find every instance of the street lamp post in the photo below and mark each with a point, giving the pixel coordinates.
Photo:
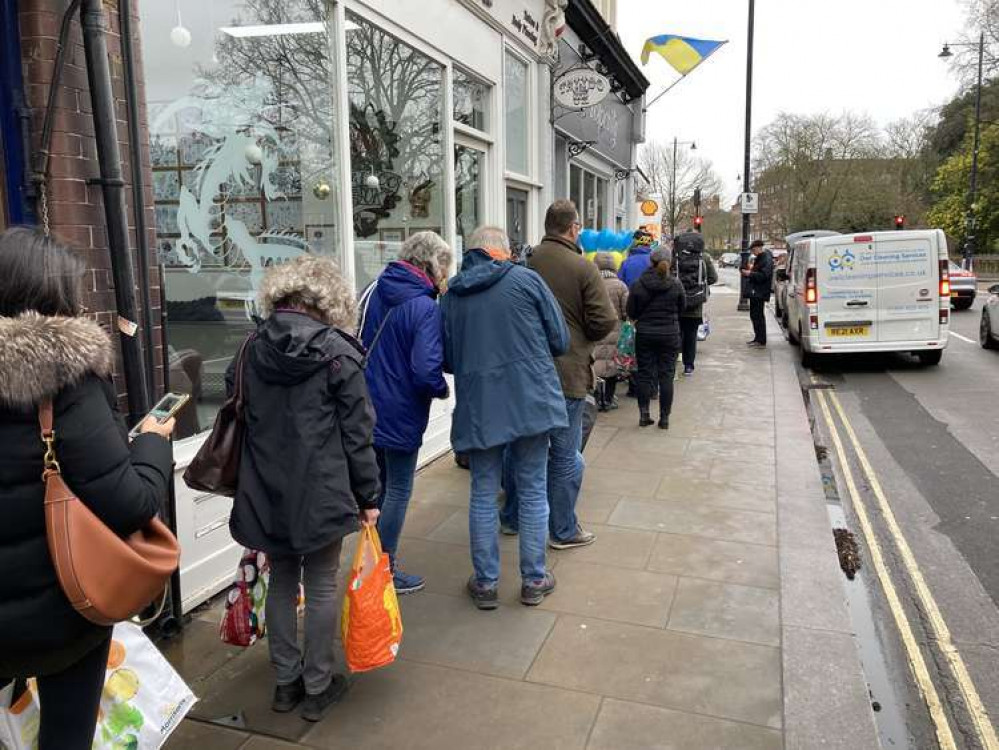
(744, 258)
(970, 223)
(672, 184)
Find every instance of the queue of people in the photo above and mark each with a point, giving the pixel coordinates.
(336, 397)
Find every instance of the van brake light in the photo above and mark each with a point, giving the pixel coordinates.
(944, 316)
(811, 289)
(944, 280)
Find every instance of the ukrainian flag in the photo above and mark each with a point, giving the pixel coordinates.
(682, 52)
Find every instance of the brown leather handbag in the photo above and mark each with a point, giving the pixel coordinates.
(215, 468)
(107, 579)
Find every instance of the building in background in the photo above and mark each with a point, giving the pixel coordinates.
(253, 131)
(596, 144)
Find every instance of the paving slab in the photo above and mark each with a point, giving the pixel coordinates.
(198, 653)
(733, 562)
(708, 521)
(422, 707)
(757, 474)
(726, 610)
(191, 734)
(422, 518)
(450, 631)
(825, 699)
(811, 589)
(713, 676)
(621, 481)
(623, 548)
(623, 725)
(728, 494)
(596, 507)
(635, 596)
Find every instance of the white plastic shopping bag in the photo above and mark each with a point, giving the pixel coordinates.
(143, 702)
(704, 329)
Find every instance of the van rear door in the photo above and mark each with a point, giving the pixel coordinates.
(908, 287)
(848, 289)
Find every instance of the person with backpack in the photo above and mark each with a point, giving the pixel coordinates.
(403, 331)
(696, 272)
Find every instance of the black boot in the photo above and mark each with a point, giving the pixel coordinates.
(663, 422)
(644, 418)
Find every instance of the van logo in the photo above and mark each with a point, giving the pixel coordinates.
(841, 262)
(924, 292)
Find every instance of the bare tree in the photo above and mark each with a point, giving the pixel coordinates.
(982, 17)
(676, 183)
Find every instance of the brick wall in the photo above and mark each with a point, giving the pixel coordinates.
(76, 209)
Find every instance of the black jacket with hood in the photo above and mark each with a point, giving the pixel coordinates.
(308, 460)
(655, 302)
(68, 360)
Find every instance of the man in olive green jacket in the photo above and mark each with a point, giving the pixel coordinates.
(588, 312)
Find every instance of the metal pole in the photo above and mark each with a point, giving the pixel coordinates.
(744, 258)
(970, 221)
(113, 189)
(672, 195)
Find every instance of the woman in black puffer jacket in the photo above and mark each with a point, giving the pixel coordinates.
(655, 302)
(47, 351)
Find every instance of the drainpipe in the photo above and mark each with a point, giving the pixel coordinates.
(113, 189)
(138, 189)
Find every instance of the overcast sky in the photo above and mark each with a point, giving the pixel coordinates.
(873, 56)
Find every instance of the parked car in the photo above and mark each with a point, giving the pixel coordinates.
(963, 287)
(728, 260)
(782, 266)
(988, 333)
(873, 292)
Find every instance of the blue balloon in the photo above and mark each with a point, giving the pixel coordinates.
(624, 240)
(608, 239)
(588, 240)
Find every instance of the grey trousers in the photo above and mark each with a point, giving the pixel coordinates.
(314, 663)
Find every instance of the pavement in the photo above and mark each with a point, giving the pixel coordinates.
(708, 614)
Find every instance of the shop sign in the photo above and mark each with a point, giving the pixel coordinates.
(523, 17)
(649, 208)
(581, 88)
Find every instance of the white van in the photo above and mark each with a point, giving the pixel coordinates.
(873, 292)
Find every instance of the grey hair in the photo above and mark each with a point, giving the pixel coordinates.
(312, 283)
(489, 237)
(661, 255)
(429, 252)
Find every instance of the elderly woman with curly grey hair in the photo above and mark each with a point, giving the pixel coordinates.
(402, 327)
(308, 473)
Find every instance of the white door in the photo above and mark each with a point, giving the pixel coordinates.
(848, 291)
(908, 287)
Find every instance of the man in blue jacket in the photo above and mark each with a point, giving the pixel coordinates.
(638, 257)
(403, 331)
(503, 329)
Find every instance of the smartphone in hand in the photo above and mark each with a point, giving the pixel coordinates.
(165, 408)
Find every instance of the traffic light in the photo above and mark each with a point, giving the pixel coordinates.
(697, 197)
(698, 220)
(899, 221)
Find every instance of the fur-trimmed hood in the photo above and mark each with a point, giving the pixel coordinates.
(40, 355)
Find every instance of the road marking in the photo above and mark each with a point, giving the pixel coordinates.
(917, 664)
(963, 338)
(973, 701)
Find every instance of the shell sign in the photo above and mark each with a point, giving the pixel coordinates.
(649, 208)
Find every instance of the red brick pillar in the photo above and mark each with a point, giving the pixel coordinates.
(76, 212)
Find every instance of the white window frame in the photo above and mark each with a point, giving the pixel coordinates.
(529, 115)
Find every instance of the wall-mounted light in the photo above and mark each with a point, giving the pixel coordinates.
(179, 35)
(372, 180)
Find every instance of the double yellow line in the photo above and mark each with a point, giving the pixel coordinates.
(917, 664)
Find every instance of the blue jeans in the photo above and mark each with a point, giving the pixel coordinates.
(397, 469)
(529, 457)
(509, 513)
(565, 472)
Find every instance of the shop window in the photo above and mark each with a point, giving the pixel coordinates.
(601, 198)
(241, 142)
(469, 165)
(396, 145)
(515, 97)
(471, 100)
(589, 199)
(516, 216)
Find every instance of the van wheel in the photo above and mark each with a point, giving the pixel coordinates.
(931, 357)
(792, 337)
(963, 304)
(807, 358)
(986, 337)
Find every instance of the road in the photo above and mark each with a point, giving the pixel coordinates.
(913, 470)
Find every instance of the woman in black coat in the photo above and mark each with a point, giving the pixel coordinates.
(308, 474)
(655, 302)
(47, 351)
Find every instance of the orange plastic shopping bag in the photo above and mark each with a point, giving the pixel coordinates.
(371, 624)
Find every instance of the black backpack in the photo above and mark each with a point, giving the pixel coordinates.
(690, 268)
